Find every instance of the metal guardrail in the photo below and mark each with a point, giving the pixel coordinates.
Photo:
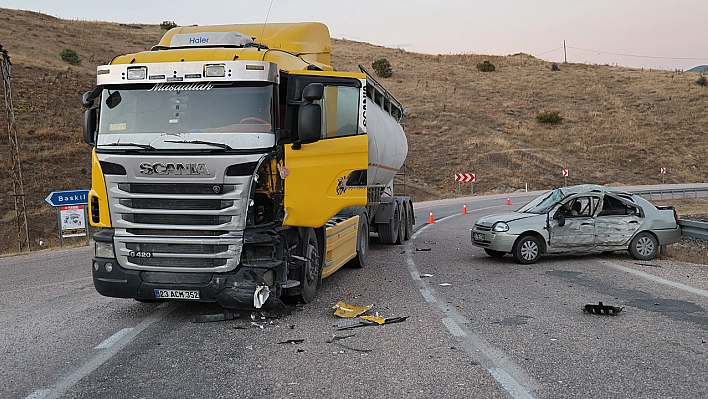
(694, 228)
(674, 193)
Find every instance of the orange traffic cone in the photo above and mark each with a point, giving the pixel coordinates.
(431, 220)
(464, 209)
(508, 201)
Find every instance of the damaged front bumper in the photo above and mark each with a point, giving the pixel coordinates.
(240, 289)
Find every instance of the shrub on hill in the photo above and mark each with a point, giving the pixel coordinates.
(167, 25)
(486, 66)
(550, 117)
(70, 56)
(382, 68)
(702, 81)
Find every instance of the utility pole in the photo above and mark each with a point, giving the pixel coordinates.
(19, 193)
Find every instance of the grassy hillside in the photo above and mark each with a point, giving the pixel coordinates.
(620, 125)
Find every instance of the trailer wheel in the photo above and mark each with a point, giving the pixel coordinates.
(402, 214)
(409, 220)
(309, 249)
(362, 244)
(388, 232)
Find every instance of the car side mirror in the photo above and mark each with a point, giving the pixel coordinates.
(560, 217)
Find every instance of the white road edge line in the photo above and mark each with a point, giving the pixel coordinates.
(108, 342)
(509, 375)
(654, 278)
(102, 356)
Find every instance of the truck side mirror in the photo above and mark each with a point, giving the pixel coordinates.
(90, 121)
(309, 121)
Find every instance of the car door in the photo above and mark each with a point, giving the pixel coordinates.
(616, 222)
(577, 234)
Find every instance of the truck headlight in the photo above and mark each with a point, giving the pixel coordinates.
(137, 73)
(500, 227)
(104, 250)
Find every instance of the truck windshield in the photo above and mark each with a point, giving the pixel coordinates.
(234, 114)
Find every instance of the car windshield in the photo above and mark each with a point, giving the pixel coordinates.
(138, 113)
(544, 203)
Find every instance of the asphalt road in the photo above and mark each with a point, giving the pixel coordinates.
(476, 327)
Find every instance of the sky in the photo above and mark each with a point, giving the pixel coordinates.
(656, 34)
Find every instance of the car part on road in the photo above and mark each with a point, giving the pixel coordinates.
(349, 311)
(208, 318)
(602, 309)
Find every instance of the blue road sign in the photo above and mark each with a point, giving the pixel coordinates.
(70, 197)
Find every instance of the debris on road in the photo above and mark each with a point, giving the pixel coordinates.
(349, 311)
(425, 275)
(336, 338)
(423, 249)
(216, 317)
(362, 322)
(602, 309)
(292, 341)
(445, 284)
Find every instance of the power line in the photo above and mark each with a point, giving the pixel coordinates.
(639, 56)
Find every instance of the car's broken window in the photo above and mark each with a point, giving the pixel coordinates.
(612, 206)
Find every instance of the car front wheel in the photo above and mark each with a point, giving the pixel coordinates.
(644, 246)
(527, 250)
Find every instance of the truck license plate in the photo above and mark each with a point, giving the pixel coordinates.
(176, 294)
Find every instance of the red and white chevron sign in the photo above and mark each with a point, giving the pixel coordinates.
(663, 171)
(565, 172)
(465, 177)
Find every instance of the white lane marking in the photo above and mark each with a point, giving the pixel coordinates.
(38, 394)
(103, 356)
(509, 383)
(507, 373)
(453, 327)
(108, 342)
(654, 278)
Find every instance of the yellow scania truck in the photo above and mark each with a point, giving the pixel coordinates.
(232, 164)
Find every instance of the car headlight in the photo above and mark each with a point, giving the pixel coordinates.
(500, 227)
(104, 250)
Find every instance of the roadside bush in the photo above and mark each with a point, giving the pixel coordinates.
(551, 117)
(382, 68)
(486, 66)
(167, 25)
(702, 81)
(70, 56)
(554, 67)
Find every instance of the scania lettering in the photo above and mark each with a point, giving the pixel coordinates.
(233, 164)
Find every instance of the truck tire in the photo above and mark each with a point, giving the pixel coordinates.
(409, 220)
(388, 232)
(309, 248)
(362, 244)
(402, 222)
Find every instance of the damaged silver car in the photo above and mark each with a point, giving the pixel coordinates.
(579, 219)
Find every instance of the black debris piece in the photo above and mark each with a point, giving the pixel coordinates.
(292, 341)
(208, 318)
(602, 309)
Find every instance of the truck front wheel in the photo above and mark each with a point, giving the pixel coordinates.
(362, 244)
(309, 249)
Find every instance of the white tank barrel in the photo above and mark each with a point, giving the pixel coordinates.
(388, 146)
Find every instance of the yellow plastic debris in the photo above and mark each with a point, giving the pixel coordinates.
(344, 310)
(376, 319)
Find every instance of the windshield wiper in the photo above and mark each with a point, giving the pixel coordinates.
(220, 145)
(143, 146)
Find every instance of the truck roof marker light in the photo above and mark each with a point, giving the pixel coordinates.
(137, 73)
(103, 72)
(255, 67)
(214, 70)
